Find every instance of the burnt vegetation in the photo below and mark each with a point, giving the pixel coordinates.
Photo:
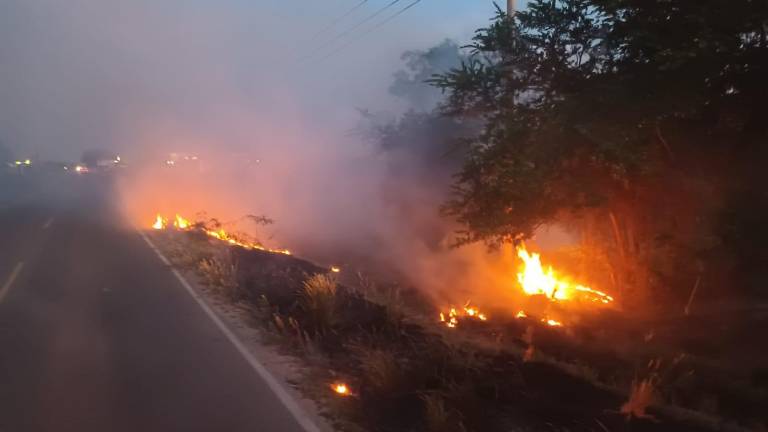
(638, 125)
(406, 371)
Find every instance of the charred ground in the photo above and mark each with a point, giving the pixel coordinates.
(407, 371)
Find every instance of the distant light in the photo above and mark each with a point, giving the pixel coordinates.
(117, 158)
(27, 162)
(81, 169)
(335, 269)
(18, 162)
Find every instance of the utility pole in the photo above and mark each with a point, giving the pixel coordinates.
(510, 7)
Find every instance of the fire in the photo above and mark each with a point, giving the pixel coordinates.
(535, 281)
(220, 234)
(160, 223)
(473, 312)
(451, 320)
(521, 314)
(551, 322)
(340, 389)
(335, 269)
(181, 223)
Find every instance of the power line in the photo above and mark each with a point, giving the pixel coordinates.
(355, 27)
(340, 18)
(383, 23)
(370, 30)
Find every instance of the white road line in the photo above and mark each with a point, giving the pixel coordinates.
(290, 404)
(48, 223)
(7, 286)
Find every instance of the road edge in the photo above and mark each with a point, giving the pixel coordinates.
(299, 414)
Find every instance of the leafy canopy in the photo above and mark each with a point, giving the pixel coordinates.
(580, 100)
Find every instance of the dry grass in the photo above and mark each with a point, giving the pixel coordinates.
(437, 417)
(445, 383)
(221, 274)
(643, 392)
(380, 370)
(435, 414)
(390, 298)
(187, 253)
(641, 397)
(319, 302)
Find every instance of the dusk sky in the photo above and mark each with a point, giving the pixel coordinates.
(90, 73)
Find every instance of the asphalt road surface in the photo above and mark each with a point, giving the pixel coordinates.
(96, 334)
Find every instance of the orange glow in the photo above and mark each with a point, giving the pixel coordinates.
(335, 269)
(340, 389)
(521, 314)
(160, 223)
(181, 223)
(451, 320)
(536, 281)
(184, 224)
(551, 322)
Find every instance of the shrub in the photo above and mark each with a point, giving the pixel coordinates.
(319, 302)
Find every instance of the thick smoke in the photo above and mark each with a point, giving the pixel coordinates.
(251, 92)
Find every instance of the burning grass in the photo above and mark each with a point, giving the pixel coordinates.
(381, 366)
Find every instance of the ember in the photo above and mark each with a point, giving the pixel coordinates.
(340, 389)
(451, 320)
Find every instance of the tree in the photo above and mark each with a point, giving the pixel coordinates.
(420, 65)
(631, 117)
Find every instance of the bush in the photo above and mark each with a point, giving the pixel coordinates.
(319, 302)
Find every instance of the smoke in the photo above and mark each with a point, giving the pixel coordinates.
(268, 115)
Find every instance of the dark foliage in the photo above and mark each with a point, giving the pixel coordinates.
(635, 118)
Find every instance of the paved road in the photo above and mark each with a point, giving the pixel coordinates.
(96, 334)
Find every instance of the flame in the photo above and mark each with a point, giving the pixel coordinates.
(340, 389)
(451, 320)
(160, 223)
(181, 223)
(551, 322)
(521, 314)
(474, 312)
(220, 234)
(535, 281)
(335, 269)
